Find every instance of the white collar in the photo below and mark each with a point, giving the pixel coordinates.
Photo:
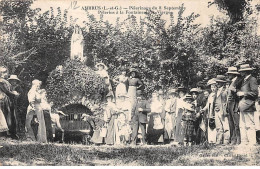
(247, 77)
(235, 78)
(219, 91)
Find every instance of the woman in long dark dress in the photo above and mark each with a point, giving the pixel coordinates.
(134, 84)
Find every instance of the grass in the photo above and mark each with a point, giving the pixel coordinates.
(20, 153)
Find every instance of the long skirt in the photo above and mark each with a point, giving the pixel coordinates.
(132, 95)
(3, 124)
(170, 125)
(188, 130)
(9, 113)
(154, 135)
(179, 133)
(110, 137)
(41, 135)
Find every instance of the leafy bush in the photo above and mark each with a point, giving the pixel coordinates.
(74, 83)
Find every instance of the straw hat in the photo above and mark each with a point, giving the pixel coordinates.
(101, 64)
(181, 88)
(187, 97)
(195, 90)
(232, 70)
(173, 91)
(221, 79)
(211, 82)
(245, 67)
(14, 77)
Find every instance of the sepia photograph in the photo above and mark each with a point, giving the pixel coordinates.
(129, 83)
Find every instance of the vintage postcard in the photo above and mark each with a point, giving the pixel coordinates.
(129, 83)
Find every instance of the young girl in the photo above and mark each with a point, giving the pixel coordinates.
(188, 119)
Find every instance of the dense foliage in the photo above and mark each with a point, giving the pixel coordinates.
(179, 52)
(69, 83)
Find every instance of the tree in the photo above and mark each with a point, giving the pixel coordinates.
(235, 8)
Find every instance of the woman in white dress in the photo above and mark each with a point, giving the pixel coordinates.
(122, 83)
(3, 124)
(34, 108)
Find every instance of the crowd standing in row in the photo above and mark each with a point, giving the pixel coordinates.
(225, 111)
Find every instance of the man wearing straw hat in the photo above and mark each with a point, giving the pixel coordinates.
(221, 116)
(247, 94)
(18, 102)
(232, 105)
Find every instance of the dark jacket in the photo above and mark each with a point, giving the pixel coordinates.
(233, 99)
(140, 116)
(250, 89)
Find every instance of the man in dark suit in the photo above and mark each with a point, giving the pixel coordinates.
(248, 94)
(139, 117)
(232, 104)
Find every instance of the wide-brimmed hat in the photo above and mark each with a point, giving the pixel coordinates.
(101, 64)
(194, 90)
(187, 97)
(181, 88)
(14, 77)
(173, 91)
(245, 67)
(211, 82)
(221, 79)
(232, 70)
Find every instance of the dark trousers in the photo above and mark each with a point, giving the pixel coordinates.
(234, 124)
(135, 126)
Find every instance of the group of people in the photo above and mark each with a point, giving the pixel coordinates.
(41, 120)
(9, 93)
(223, 111)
